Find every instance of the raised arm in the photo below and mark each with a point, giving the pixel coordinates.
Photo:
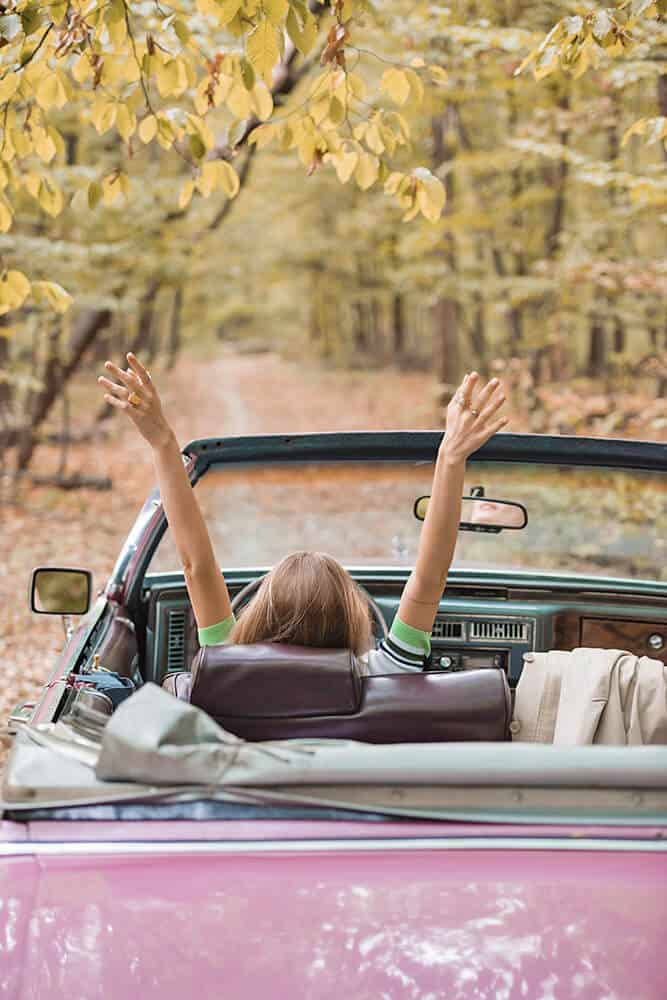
(472, 418)
(135, 394)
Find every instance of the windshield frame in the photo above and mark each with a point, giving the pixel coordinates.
(199, 456)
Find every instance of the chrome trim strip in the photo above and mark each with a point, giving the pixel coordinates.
(141, 847)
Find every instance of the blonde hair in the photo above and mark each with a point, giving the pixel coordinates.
(307, 599)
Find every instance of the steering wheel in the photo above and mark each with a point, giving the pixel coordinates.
(380, 630)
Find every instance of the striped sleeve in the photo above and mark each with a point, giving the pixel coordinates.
(404, 650)
(213, 635)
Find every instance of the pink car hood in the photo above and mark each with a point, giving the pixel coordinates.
(331, 910)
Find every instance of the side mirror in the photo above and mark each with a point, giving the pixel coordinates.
(60, 591)
(483, 514)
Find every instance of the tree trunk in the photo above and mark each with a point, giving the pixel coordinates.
(139, 343)
(619, 335)
(448, 357)
(52, 385)
(85, 332)
(662, 106)
(596, 348)
(398, 326)
(174, 342)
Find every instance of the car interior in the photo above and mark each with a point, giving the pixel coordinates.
(563, 556)
(483, 631)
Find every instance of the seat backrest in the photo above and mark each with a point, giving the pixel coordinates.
(269, 691)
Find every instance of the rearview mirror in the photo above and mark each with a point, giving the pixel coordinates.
(60, 591)
(483, 514)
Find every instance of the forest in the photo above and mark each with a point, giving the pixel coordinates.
(419, 186)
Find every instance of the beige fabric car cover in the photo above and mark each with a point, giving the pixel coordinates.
(599, 696)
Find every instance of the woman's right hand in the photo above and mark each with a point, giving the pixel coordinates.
(472, 417)
(133, 392)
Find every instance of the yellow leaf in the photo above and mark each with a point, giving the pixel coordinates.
(438, 74)
(395, 83)
(430, 194)
(226, 10)
(148, 129)
(181, 31)
(112, 189)
(357, 86)
(262, 101)
(117, 32)
(393, 182)
(51, 92)
(82, 70)
(411, 212)
(50, 197)
(416, 86)
(344, 163)
(6, 217)
(21, 142)
(276, 10)
(95, 193)
(165, 132)
(171, 78)
(230, 180)
(239, 101)
(262, 50)
(8, 86)
(197, 126)
(103, 115)
(126, 121)
(217, 174)
(366, 171)
(50, 293)
(44, 145)
(336, 111)
(185, 196)
(374, 139)
(208, 179)
(14, 290)
(304, 34)
(115, 11)
(32, 182)
(262, 135)
(637, 128)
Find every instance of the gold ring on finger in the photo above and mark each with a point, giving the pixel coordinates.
(475, 413)
(133, 399)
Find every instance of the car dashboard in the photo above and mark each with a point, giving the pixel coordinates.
(489, 620)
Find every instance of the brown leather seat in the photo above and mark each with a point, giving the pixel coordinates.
(270, 691)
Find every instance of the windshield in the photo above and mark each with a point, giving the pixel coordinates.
(600, 522)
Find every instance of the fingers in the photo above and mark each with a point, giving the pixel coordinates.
(468, 387)
(116, 390)
(498, 425)
(138, 369)
(119, 404)
(492, 407)
(128, 378)
(486, 393)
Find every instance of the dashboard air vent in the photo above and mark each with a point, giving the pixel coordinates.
(176, 640)
(506, 631)
(444, 628)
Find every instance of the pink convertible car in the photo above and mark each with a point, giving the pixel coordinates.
(288, 827)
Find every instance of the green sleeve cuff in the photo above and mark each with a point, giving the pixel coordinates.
(407, 635)
(213, 635)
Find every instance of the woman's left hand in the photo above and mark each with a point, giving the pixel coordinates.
(135, 393)
(472, 417)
